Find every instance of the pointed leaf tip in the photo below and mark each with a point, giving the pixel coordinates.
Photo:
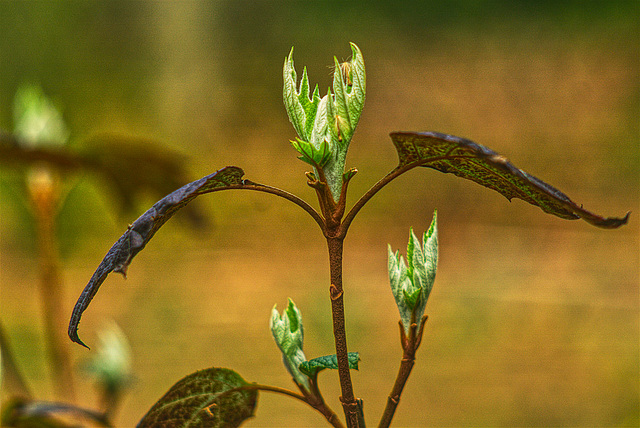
(472, 161)
(140, 232)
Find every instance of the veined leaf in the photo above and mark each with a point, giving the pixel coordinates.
(142, 230)
(204, 398)
(312, 367)
(466, 159)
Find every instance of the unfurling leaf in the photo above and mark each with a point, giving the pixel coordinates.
(412, 282)
(288, 333)
(208, 398)
(314, 157)
(466, 159)
(142, 230)
(326, 125)
(300, 105)
(312, 367)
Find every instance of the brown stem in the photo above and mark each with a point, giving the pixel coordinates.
(375, 189)
(334, 231)
(312, 400)
(249, 185)
(45, 202)
(352, 407)
(410, 345)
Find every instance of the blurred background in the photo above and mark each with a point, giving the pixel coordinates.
(534, 320)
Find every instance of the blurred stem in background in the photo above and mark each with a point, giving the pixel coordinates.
(132, 168)
(44, 194)
(39, 123)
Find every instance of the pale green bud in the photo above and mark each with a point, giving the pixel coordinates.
(411, 284)
(328, 122)
(289, 336)
(111, 364)
(37, 121)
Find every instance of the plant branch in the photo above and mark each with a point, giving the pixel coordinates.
(335, 232)
(399, 170)
(410, 345)
(250, 185)
(352, 407)
(312, 400)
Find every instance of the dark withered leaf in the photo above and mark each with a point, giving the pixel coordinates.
(21, 412)
(134, 167)
(14, 154)
(466, 159)
(131, 168)
(142, 230)
(204, 399)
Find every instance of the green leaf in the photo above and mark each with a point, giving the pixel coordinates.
(301, 108)
(343, 114)
(411, 298)
(469, 160)
(205, 398)
(312, 367)
(142, 230)
(349, 98)
(314, 157)
(430, 254)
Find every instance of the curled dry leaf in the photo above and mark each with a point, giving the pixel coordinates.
(466, 159)
(142, 230)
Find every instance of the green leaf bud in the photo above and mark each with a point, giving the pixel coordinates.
(411, 282)
(331, 120)
(111, 364)
(288, 333)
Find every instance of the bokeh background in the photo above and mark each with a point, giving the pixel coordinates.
(534, 320)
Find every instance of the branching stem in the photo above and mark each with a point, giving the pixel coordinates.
(373, 190)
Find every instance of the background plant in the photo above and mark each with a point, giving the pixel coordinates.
(545, 85)
(44, 166)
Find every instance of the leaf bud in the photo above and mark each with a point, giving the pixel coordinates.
(288, 333)
(411, 282)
